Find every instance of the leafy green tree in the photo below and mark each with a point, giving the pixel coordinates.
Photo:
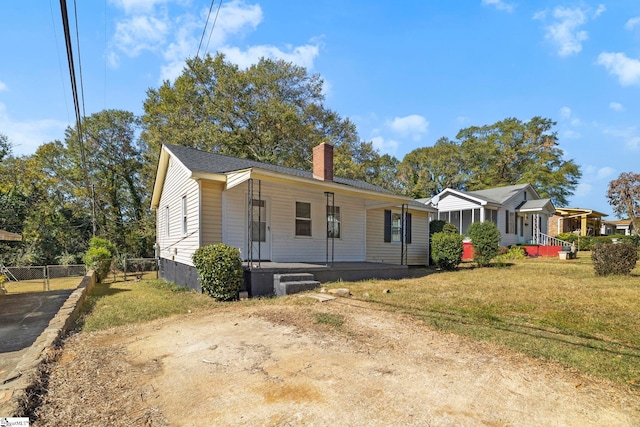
(425, 172)
(514, 152)
(271, 112)
(624, 197)
(5, 147)
(485, 238)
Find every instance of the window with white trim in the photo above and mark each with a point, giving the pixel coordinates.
(303, 219)
(396, 227)
(166, 221)
(184, 214)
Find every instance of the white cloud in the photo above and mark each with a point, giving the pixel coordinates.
(565, 31)
(3, 86)
(630, 136)
(299, 55)
(619, 64)
(147, 27)
(384, 146)
(631, 23)
(583, 189)
(499, 4)
(616, 106)
(412, 125)
(132, 6)
(571, 134)
(27, 136)
(140, 33)
(605, 173)
(565, 112)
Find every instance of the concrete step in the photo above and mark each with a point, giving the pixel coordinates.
(292, 277)
(288, 288)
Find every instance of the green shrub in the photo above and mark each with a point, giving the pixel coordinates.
(450, 228)
(220, 270)
(611, 259)
(446, 250)
(515, 252)
(98, 257)
(485, 238)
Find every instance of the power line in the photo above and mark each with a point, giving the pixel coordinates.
(76, 103)
(204, 30)
(214, 25)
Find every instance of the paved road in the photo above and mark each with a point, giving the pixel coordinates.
(23, 317)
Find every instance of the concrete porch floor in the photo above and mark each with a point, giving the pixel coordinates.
(259, 278)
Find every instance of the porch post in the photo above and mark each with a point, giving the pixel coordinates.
(331, 211)
(250, 223)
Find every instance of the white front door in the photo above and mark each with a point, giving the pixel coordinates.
(260, 231)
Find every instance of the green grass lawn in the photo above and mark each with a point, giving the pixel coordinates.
(545, 307)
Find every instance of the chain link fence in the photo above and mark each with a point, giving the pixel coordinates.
(125, 268)
(41, 274)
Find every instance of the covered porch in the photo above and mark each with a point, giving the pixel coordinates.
(585, 222)
(259, 277)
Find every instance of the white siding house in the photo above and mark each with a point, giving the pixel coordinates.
(517, 210)
(280, 215)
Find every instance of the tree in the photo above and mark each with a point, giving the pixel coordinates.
(5, 147)
(624, 197)
(515, 152)
(271, 112)
(425, 172)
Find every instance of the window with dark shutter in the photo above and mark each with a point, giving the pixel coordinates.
(387, 226)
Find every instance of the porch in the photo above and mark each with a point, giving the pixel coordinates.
(258, 277)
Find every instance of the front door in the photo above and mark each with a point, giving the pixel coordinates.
(260, 231)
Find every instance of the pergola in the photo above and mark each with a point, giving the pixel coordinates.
(587, 221)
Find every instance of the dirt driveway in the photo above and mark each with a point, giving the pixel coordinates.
(276, 364)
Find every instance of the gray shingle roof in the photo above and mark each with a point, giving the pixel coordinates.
(533, 204)
(203, 161)
(499, 194)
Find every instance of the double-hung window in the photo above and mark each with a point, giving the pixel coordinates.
(303, 219)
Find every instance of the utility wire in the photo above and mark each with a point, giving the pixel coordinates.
(206, 24)
(76, 103)
(75, 12)
(214, 25)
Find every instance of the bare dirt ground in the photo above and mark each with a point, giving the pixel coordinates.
(274, 365)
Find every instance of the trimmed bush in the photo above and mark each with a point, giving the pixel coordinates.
(485, 239)
(450, 228)
(609, 259)
(515, 252)
(220, 270)
(446, 250)
(98, 257)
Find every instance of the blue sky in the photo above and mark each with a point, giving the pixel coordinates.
(407, 73)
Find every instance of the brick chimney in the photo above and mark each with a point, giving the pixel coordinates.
(323, 162)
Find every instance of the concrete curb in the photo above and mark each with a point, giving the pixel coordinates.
(13, 392)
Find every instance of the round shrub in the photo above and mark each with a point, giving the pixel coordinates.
(485, 239)
(611, 259)
(515, 252)
(446, 250)
(220, 271)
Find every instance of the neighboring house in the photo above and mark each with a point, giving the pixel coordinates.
(585, 222)
(277, 215)
(623, 226)
(517, 210)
